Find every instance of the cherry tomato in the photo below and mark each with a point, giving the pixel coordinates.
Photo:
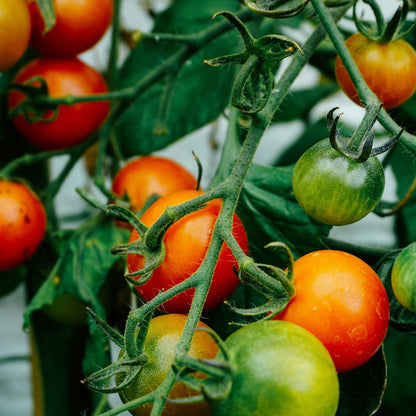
(22, 223)
(80, 24)
(186, 243)
(163, 335)
(403, 277)
(334, 189)
(145, 176)
(74, 123)
(280, 369)
(14, 32)
(342, 301)
(389, 69)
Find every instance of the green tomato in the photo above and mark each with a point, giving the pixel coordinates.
(403, 277)
(335, 190)
(281, 369)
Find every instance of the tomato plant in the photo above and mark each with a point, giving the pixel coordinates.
(162, 337)
(334, 189)
(22, 223)
(403, 279)
(83, 22)
(71, 126)
(186, 244)
(14, 32)
(280, 369)
(342, 301)
(389, 69)
(143, 177)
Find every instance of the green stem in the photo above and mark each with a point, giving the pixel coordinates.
(115, 38)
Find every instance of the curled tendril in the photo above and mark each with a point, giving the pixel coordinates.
(254, 82)
(272, 8)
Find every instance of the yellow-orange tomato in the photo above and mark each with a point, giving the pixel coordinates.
(342, 301)
(389, 70)
(186, 243)
(162, 337)
(22, 223)
(79, 25)
(145, 176)
(14, 32)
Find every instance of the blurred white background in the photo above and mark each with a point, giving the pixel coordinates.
(15, 382)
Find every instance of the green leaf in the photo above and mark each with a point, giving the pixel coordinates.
(11, 279)
(270, 212)
(84, 261)
(362, 389)
(48, 13)
(199, 91)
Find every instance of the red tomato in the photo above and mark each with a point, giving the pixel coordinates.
(14, 32)
(389, 70)
(80, 24)
(186, 244)
(74, 122)
(145, 176)
(22, 223)
(342, 301)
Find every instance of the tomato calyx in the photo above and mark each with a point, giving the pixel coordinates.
(359, 147)
(275, 284)
(383, 31)
(255, 80)
(273, 8)
(35, 107)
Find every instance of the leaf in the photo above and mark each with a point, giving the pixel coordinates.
(200, 93)
(84, 261)
(362, 389)
(48, 13)
(270, 213)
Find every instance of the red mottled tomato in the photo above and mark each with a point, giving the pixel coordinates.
(145, 176)
(186, 243)
(79, 25)
(22, 223)
(342, 301)
(389, 69)
(74, 123)
(161, 340)
(14, 32)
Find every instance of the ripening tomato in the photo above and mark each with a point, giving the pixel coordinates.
(342, 301)
(163, 335)
(280, 369)
(403, 277)
(14, 32)
(186, 243)
(145, 176)
(79, 25)
(22, 223)
(74, 123)
(389, 69)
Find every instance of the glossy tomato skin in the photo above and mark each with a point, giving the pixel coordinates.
(342, 301)
(22, 223)
(280, 369)
(80, 24)
(186, 243)
(162, 337)
(334, 189)
(403, 277)
(14, 32)
(388, 69)
(142, 177)
(74, 123)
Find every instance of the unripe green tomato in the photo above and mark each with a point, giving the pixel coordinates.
(280, 369)
(335, 190)
(403, 277)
